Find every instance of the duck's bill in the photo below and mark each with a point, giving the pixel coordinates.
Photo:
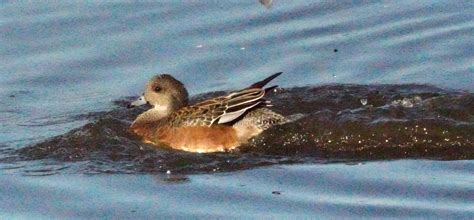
(140, 101)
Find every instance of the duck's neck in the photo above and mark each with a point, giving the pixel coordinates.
(146, 123)
(152, 116)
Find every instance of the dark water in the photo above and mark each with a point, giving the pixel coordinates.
(335, 123)
(368, 138)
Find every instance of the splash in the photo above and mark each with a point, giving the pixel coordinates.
(334, 123)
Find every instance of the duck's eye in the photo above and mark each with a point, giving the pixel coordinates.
(157, 89)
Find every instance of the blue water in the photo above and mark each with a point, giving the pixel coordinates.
(60, 61)
(421, 189)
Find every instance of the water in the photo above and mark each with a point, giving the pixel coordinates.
(422, 189)
(67, 70)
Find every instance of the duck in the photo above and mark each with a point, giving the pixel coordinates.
(219, 124)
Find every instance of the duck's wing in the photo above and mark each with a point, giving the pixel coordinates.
(223, 109)
(220, 110)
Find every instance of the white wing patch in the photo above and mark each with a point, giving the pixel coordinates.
(228, 117)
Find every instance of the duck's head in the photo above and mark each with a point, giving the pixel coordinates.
(163, 92)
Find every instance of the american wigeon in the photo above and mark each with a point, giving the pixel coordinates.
(219, 124)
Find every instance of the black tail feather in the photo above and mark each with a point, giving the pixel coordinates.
(269, 89)
(264, 82)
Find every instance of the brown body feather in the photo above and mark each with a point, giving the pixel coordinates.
(200, 139)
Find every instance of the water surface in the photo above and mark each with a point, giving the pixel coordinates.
(67, 69)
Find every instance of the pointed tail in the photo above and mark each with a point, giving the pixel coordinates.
(264, 82)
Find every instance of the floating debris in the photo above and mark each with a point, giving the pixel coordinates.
(266, 3)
